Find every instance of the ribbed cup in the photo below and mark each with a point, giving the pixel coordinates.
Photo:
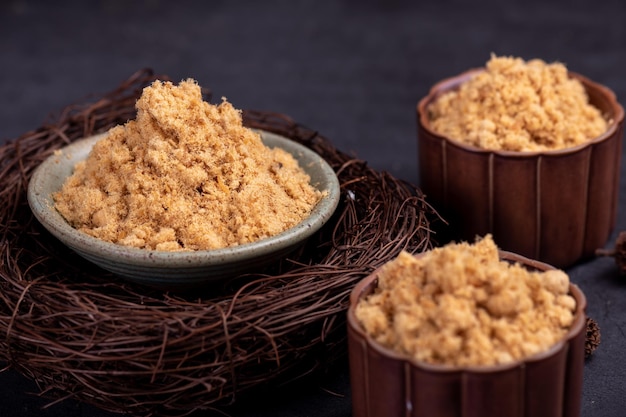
(555, 206)
(387, 384)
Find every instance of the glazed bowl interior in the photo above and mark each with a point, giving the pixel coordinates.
(179, 269)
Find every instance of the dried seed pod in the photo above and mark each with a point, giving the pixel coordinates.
(619, 252)
(593, 337)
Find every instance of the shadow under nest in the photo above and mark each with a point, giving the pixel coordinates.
(80, 332)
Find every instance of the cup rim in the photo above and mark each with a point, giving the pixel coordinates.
(450, 83)
(366, 285)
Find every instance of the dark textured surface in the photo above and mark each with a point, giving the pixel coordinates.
(354, 70)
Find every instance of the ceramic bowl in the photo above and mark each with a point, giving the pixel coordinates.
(555, 206)
(179, 269)
(388, 384)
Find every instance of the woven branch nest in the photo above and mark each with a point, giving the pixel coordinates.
(80, 332)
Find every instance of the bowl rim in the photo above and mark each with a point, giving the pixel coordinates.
(368, 284)
(451, 83)
(41, 208)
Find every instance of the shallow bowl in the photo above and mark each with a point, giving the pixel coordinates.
(554, 206)
(182, 269)
(389, 384)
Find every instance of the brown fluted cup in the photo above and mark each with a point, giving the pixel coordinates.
(555, 206)
(388, 384)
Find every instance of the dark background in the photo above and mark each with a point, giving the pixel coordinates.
(353, 70)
